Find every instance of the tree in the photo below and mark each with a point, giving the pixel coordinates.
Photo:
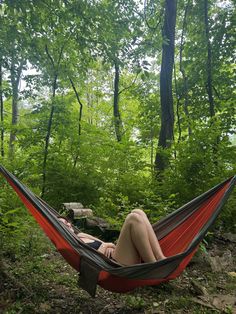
(13, 59)
(182, 70)
(119, 32)
(166, 135)
(209, 61)
(1, 109)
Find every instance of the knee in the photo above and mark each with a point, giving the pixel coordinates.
(133, 218)
(139, 212)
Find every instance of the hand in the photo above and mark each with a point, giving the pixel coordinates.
(109, 252)
(110, 245)
(107, 249)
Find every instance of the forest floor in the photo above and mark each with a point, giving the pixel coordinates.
(37, 280)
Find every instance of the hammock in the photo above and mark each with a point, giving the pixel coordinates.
(180, 234)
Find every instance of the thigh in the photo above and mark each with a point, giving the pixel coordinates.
(125, 251)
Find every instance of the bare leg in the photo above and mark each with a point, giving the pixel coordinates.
(133, 243)
(152, 237)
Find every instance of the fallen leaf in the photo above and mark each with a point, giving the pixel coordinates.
(232, 274)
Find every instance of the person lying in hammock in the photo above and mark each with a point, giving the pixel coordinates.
(137, 241)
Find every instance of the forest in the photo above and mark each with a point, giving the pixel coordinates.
(118, 105)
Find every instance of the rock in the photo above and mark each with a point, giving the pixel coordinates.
(226, 259)
(214, 262)
(230, 237)
(220, 263)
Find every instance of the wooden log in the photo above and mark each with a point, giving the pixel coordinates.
(77, 210)
(72, 205)
(76, 213)
(97, 222)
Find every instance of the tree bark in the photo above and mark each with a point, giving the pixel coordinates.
(1, 111)
(167, 112)
(15, 80)
(181, 68)
(47, 138)
(177, 106)
(209, 62)
(209, 80)
(116, 111)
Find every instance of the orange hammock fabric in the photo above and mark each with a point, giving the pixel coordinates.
(180, 234)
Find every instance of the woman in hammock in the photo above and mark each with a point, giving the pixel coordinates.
(137, 241)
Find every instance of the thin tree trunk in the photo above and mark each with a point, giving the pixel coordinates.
(209, 62)
(116, 111)
(209, 80)
(177, 106)
(181, 68)
(167, 112)
(1, 111)
(47, 138)
(15, 80)
(152, 150)
(90, 105)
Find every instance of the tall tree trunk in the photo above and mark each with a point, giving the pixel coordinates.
(167, 112)
(209, 80)
(116, 111)
(209, 62)
(152, 150)
(15, 80)
(90, 106)
(181, 68)
(1, 110)
(177, 106)
(47, 138)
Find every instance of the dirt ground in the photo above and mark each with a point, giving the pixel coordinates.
(41, 282)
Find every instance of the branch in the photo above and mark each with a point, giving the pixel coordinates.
(129, 85)
(49, 56)
(80, 103)
(218, 94)
(146, 20)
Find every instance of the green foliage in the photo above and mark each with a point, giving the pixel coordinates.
(82, 41)
(48, 44)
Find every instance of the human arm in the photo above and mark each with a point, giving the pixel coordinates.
(88, 236)
(107, 248)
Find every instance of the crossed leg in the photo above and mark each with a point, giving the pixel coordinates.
(136, 241)
(151, 234)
